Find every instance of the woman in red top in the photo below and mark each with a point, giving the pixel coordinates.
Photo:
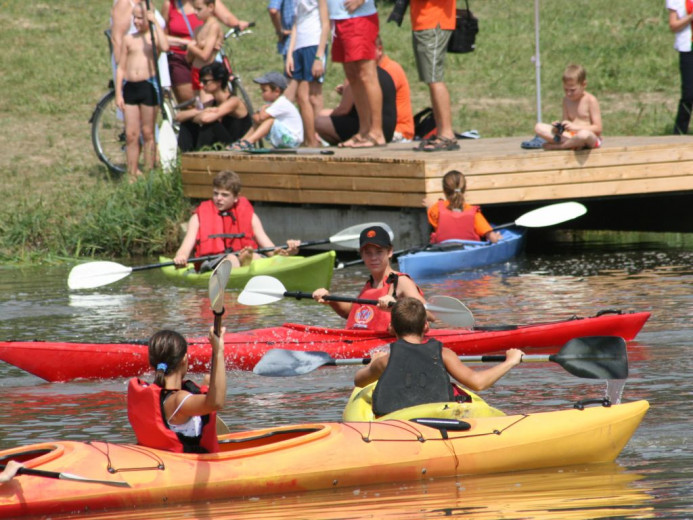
(181, 22)
(454, 219)
(384, 285)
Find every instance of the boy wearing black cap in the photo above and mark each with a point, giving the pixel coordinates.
(279, 120)
(384, 285)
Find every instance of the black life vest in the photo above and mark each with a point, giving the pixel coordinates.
(415, 374)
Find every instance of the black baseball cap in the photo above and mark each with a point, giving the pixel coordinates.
(375, 235)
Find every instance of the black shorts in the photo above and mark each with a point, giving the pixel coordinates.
(140, 93)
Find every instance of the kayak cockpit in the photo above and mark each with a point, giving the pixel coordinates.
(247, 443)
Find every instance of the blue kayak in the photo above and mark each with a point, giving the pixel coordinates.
(456, 255)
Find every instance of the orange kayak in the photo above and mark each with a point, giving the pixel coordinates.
(102, 476)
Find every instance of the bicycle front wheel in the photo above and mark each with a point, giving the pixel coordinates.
(108, 134)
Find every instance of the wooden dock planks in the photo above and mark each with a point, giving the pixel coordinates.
(498, 172)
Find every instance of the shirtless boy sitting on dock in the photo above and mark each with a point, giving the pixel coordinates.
(581, 126)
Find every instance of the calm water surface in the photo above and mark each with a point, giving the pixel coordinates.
(651, 479)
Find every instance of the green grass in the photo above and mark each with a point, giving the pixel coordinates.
(60, 201)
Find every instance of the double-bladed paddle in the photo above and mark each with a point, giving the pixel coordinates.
(217, 285)
(541, 217)
(261, 290)
(66, 476)
(97, 274)
(591, 357)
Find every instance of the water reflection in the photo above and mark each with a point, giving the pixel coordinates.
(603, 491)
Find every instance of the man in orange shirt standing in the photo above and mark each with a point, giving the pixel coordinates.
(432, 24)
(404, 131)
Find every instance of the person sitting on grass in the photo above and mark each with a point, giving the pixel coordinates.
(384, 284)
(581, 126)
(136, 91)
(279, 120)
(227, 213)
(417, 371)
(172, 413)
(453, 219)
(224, 119)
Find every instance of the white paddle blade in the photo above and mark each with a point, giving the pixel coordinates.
(261, 290)
(349, 237)
(217, 284)
(96, 274)
(550, 215)
(451, 311)
(168, 146)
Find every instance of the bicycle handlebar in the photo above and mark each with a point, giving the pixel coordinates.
(235, 31)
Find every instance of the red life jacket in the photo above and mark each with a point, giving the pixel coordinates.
(455, 225)
(237, 219)
(145, 412)
(370, 317)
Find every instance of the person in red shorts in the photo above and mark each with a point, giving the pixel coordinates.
(355, 28)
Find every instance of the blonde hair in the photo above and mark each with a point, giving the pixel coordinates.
(454, 186)
(575, 72)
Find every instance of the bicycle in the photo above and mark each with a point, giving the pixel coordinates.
(108, 127)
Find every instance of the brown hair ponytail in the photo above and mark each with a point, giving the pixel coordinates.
(167, 349)
(454, 186)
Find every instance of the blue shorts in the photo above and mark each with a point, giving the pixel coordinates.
(303, 64)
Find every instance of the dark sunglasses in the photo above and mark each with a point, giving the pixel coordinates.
(206, 80)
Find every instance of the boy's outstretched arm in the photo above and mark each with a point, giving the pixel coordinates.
(479, 379)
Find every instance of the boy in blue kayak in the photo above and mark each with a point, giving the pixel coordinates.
(417, 371)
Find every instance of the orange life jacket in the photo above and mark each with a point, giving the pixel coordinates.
(370, 317)
(455, 224)
(237, 219)
(145, 412)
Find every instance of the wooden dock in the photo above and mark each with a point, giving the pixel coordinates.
(392, 182)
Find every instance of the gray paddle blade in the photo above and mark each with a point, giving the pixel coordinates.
(451, 311)
(278, 362)
(217, 284)
(594, 357)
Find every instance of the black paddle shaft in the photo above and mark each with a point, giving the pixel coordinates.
(301, 295)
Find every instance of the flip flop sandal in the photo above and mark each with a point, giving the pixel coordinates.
(442, 144)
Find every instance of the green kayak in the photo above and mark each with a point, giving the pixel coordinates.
(297, 273)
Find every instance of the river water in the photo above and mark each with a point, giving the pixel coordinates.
(653, 477)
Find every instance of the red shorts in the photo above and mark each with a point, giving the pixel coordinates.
(195, 77)
(354, 39)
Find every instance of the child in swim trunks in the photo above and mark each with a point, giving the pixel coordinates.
(136, 91)
(581, 126)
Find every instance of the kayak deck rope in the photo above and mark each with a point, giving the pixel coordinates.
(147, 454)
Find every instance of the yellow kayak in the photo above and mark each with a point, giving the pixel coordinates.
(99, 475)
(360, 408)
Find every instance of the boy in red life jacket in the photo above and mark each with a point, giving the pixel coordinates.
(227, 213)
(417, 371)
(454, 219)
(174, 414)
(384, 285)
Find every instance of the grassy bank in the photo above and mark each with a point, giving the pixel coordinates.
(59, 200)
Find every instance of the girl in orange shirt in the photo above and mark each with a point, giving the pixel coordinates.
(454, 219)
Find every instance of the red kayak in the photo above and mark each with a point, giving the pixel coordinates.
(59, 361)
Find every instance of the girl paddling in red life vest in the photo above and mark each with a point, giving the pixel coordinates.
(174, 414)
(454, 219)
(227, 213)
(384, 285)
